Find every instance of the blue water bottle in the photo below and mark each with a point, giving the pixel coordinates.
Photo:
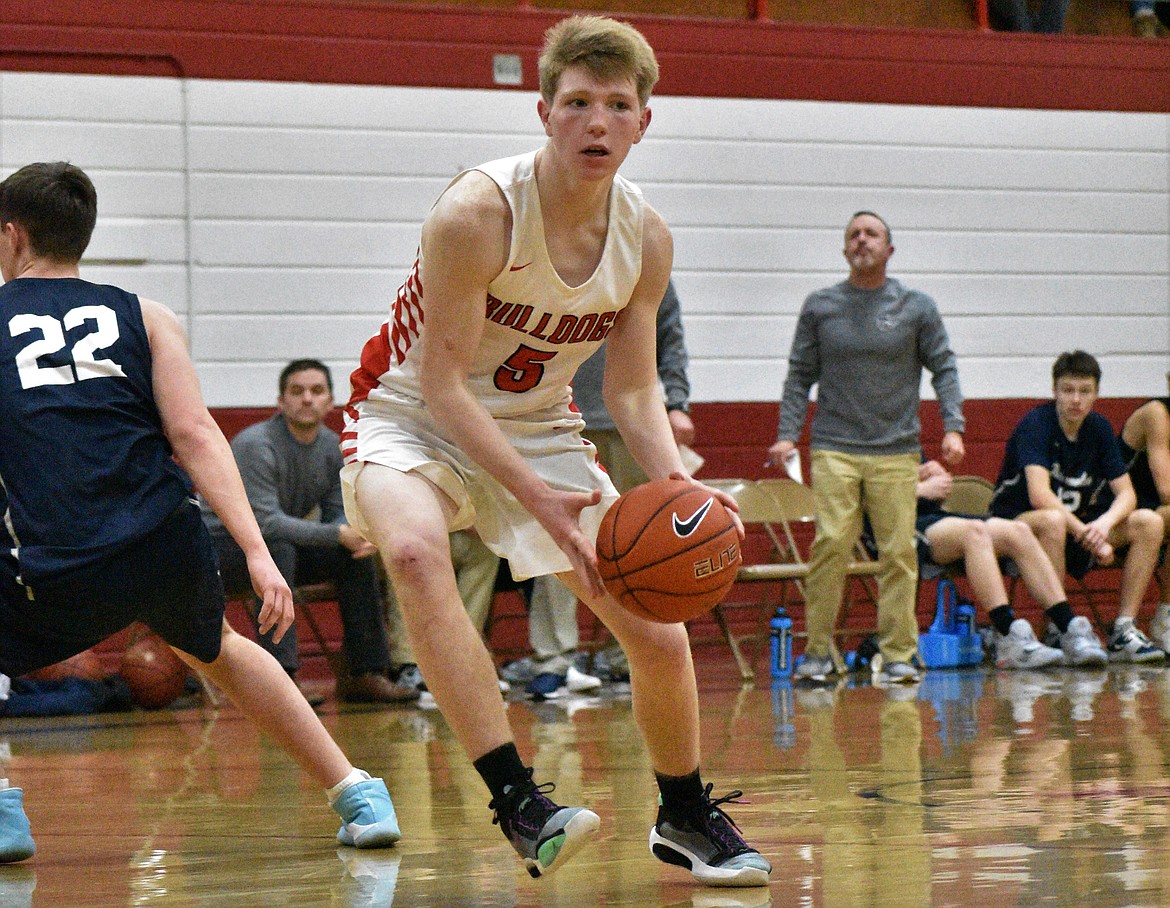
(781, 644)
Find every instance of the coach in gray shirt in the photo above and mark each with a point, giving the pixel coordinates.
(864, 343)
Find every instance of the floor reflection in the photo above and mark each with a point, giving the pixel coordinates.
(974, 787)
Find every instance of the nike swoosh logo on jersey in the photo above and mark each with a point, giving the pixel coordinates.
(684, 528)
(520, 267)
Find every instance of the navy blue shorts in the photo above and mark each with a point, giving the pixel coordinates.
(168, 580)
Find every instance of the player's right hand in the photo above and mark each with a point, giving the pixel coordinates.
(276, 609)
(560, 514)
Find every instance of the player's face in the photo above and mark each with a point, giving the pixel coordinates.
(867, 245)
(593, 122)
(1075, 396)
(306, 398)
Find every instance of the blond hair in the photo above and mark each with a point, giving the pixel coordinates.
(605, 47)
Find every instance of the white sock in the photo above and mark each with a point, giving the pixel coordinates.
(355, 776)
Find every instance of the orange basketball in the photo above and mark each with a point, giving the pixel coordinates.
(155, 675)
(668, 551)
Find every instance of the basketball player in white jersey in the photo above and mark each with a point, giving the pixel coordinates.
(462, 415)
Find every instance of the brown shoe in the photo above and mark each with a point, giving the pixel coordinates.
(373, 688)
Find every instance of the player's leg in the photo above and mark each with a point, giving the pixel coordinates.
(692, 830)
(836, 481)
(16, 841)
(1072, 633)
(889, 500)
(1160, 626)
(406, 516)
(1051, 532)
(1015, 540)
(958, 538)
(980, 542)
(1142, 532)
(263, 691)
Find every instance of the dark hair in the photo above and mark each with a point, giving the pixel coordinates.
(872, 214)
(299, 365)
(56, 203)
(1078, 364)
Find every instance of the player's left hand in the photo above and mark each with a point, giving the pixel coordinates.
(276, 610)
(722, 497)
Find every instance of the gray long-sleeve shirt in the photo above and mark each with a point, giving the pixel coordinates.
(672, 368)
(865, 351)
(294, 488)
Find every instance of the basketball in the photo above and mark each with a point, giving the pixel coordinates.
(668, 551)
(155, 675)
(86, 665)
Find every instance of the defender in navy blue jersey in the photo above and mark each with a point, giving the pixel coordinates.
(1064, 476)
(1145, 446)
(102, 430)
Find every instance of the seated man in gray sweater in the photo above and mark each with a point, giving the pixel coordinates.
(291, 465)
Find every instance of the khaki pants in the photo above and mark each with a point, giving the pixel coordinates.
(882, 487)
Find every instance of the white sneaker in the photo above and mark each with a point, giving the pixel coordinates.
(1081, 646)
(1160, 627)
(814, 668)
(578, 682)
(1019, 648)
(896, 673)
(1128, 644)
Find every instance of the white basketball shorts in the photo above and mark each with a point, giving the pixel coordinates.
(405, 438)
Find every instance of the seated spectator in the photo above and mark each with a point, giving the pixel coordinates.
(1145, 445)
(291, 465)
(1064, 476)
(979, 542)
(475, 577)
(1146, 18)
(1018, 16)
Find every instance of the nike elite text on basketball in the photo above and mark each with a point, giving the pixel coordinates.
(705, 567)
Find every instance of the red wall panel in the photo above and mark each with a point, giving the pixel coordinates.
(444, 46)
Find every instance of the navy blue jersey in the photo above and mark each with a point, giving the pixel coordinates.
(1138, 463)
(1080, 470)
(83, 457)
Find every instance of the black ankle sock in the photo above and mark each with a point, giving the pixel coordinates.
(680, 792)
(500, 768)
(1061, 614)
(1002, 617)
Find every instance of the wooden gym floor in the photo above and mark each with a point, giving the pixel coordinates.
(977, 788)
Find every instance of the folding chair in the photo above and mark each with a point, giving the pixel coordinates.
(970, 495)
(777, 507)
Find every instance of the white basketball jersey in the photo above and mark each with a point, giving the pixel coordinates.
(538, 330)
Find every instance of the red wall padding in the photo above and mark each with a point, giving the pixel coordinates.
(342, 42)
